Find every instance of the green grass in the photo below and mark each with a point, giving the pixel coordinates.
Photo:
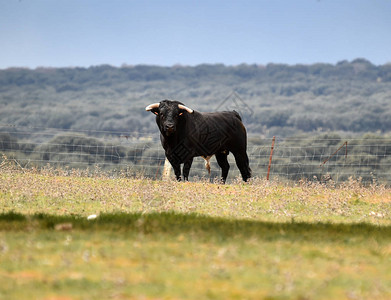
(169, 240)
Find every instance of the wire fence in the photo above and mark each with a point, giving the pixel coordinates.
(322, 158)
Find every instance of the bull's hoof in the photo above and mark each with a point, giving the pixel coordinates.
(222, 180)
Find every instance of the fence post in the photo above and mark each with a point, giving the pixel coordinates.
(166, 170)
(270, 158)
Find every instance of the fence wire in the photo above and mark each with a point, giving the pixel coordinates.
(323, 158)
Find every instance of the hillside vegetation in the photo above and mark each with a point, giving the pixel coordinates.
(275, 99)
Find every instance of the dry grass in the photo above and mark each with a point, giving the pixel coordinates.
(58, 191)
(193, 240)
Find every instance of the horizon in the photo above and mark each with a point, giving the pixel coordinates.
(191, 66)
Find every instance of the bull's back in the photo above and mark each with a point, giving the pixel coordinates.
(226, 121)
(222, 116)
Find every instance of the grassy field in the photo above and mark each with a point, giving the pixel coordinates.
(169, 240)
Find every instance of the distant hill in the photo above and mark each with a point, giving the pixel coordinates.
(275, 99)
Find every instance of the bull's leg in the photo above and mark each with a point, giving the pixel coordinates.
(224, 165)
(242, 162)
(176, 166)
(177, 171)
(186, 169)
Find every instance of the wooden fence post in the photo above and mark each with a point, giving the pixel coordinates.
(270, 158)
(166, 170)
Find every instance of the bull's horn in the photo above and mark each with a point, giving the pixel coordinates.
(189, 110)
(152, 106)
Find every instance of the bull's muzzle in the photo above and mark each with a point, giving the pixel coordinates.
(169, 128)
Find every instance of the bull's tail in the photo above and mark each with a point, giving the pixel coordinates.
(207, 162)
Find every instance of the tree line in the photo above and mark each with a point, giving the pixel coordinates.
(275, 99)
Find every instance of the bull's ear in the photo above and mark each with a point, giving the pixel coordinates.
(154, 108)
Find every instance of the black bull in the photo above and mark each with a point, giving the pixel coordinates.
(186, 133)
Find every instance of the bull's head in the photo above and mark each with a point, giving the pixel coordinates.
(168, 113)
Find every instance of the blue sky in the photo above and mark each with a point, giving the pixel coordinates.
(70, 33)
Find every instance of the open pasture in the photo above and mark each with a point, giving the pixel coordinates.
(193, 240)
